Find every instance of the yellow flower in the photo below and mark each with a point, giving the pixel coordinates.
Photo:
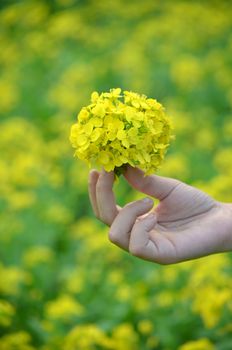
(64, 308)
(125, 337)
(87, 337)
(210, 308)
(7, 311)
(37, 255)
(200, 344)
(13, 278)
(18, 341)
(145, 326)
(120, 128)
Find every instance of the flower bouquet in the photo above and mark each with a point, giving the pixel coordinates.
(119, 128)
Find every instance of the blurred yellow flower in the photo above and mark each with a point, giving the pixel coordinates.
(223, 160)
(200, 344)
(142, 304)
(63, 308)
(115, 277)
(145, 326)
(58, 213)
(17, 341)
(9, 95)
(125, 337)
(227, 129)
(111, 133)
(165, 298)
(7, 311)
(186, 72)
(13, 278)
(86, 337)
(37, 255)
(124, 292)
(152, 342)
(210, 307)
(75, 284)
(176, 165)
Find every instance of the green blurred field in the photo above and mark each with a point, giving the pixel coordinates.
(63, 285)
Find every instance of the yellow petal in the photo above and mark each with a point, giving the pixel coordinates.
(95, 134)
(94, 96)
(96, 121)
(125, 143)
(83, 115)
(135, 103)
(99, 110)
(116, 92)
(121, 134)
(132, 132)
(144, 105)
(81, 140)
(103, 157)
(109, 167)
(118, 162)
(129, 113)
(88, 128)
(111, 136)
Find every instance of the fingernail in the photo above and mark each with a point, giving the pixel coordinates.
(147, 200)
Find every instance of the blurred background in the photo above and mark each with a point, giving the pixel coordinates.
(62, 284)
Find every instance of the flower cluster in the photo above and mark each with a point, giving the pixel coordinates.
(120, 128)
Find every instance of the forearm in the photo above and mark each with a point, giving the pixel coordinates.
(227, 225)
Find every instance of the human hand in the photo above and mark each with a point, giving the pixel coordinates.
(186, 224)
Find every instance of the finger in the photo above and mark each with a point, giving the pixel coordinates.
(149, 244)
(153, 185)
(120, 230)
(93, 178)
(140, 244)
(105, 198)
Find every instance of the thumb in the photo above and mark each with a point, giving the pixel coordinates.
(153, 185)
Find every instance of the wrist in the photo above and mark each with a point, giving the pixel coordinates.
(227, 210)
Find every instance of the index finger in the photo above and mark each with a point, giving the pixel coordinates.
(93, 177)
(105, 198)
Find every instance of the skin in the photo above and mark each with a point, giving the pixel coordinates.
(186, 224)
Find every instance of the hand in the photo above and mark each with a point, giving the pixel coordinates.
(186, 224)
